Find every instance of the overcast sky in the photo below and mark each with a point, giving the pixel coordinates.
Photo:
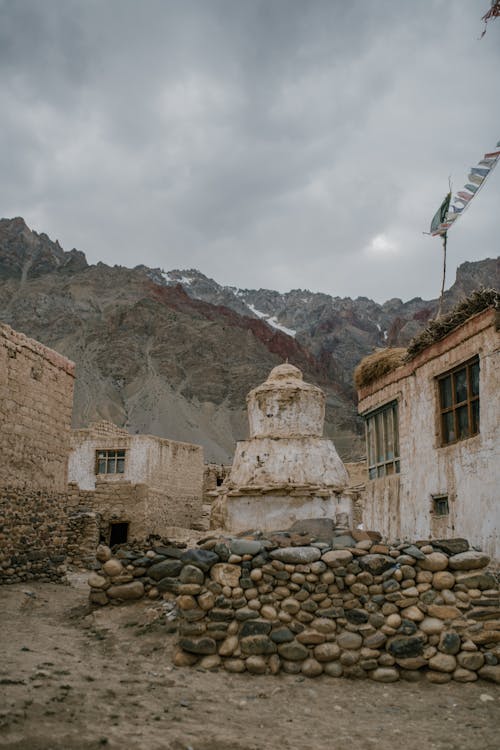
(268, 143)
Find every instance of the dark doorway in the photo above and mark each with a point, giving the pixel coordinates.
(118, 533)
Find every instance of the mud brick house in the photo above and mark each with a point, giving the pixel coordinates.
(36, 400)
(433, 431)
(137, 484)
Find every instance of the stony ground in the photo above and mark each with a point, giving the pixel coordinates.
(70, 680)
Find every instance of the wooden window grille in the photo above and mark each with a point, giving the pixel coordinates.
(459, 402)
(382, 440)
(440, 505)
(110, 462)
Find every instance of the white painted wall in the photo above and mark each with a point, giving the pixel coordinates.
(303, 461)
(468, 471)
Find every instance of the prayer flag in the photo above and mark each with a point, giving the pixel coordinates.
(440, 215)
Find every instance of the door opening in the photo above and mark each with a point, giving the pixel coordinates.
(118, 533)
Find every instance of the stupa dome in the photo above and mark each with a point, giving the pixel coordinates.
(285, 371)
(285, 406)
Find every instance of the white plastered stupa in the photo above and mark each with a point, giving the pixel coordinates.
(286, 471)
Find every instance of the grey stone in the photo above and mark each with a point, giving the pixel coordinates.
(349, 640)
(126, 591)
(202, 558)
(191, 574)
(449, 643)
(245, 614)
(255, 627)
(490, 673)
(482, 581)
(245, 547)
(282, 635)
(293, 651)
(168, 584)
(257, 644)
(470, 560)
(296, 555)
(222, 550)
(471, 660)
(451, 546)
(202, 645)
(414, 551)
(167, 568)
(407, 627)
(169, 551)
(356, 616)
(385, 674)
(443, 663)
(341, 542)
(376, 564)
(406, 646)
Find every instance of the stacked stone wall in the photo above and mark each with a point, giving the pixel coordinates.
(33, 534)
(353, 607)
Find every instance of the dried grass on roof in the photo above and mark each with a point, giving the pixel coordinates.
(376, 365)
(437, 329)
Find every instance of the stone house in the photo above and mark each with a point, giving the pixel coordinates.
(433, 435)
(36, 400)
(137, 484)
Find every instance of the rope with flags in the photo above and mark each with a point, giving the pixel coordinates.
(454, 206)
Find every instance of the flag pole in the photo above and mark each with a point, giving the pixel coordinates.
(445, 242)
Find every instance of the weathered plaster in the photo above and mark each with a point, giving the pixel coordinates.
(467, 471)
(286, 471)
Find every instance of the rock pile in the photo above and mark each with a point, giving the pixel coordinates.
(338, 603)
(133, 572)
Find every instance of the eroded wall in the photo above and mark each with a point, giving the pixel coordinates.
(468, 472)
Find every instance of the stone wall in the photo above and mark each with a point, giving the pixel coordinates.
(36, 395)
(466, 471)
(36, 400)
(33, 534)
(350, 607)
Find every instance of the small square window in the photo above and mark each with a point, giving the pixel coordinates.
(110, 462)
(440, 506)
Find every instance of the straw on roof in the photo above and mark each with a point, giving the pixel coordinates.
(376, 365)
(437, 329)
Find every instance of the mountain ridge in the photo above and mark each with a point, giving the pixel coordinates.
(174, 353)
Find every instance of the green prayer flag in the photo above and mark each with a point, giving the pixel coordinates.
(440, 215)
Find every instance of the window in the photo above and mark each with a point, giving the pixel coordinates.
(382, 440)
(110, 462)
(440, 506)
(459, 402)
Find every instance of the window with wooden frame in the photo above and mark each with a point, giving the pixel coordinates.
(459, 402)
(382, 440)
(110, 462)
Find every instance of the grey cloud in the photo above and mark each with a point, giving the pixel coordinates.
(275, 143)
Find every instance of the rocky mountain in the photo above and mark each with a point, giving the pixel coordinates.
(174, 353)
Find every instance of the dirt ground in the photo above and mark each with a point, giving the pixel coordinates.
(70, 680)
